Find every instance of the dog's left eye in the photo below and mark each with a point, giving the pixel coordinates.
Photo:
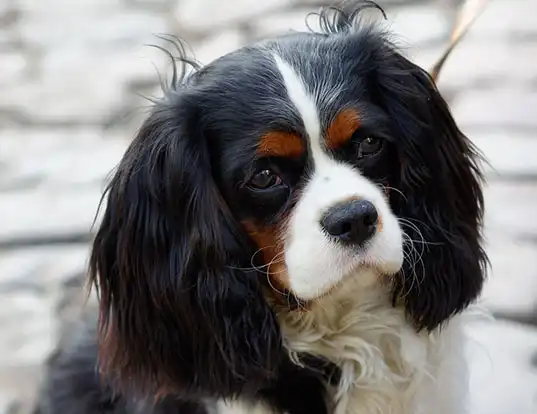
(369, 146)
(264, 179)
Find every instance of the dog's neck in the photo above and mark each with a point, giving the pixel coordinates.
(383, 361)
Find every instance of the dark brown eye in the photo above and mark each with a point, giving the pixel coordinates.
(369, 146)
(264, 179)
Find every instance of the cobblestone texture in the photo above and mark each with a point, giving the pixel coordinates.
(71, 75)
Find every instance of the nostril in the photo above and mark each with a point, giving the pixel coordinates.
(346, 227)
(370, 215)
(336, 223)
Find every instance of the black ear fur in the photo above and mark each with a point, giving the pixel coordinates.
(442, 201)
(177, 313)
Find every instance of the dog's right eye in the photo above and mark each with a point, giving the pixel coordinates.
(264, 179)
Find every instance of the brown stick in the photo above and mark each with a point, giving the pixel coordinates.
(468, 12)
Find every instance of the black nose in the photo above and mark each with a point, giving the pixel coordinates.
(353, 222)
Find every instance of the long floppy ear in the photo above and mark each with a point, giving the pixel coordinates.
(179, 309)
(441, 204)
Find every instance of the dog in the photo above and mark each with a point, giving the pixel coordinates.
(296, 228)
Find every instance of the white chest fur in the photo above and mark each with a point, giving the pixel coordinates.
(387, 368)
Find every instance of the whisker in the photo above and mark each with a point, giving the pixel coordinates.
(259, 267)
(415, 258)
(297, 301)
(387, 187)
(274, 288)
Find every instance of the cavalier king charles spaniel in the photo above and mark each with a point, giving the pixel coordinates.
(296, 228)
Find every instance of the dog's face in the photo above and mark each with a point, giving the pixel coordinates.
(305, 156)
(292, 164)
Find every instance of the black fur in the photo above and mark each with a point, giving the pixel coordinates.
(439, 198)
(167, 261)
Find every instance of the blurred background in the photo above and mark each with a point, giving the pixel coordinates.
(72, 77)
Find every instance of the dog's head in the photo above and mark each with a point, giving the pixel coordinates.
(289, 164)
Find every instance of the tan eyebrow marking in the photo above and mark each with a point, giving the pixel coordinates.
(340, 131)
(280, 144)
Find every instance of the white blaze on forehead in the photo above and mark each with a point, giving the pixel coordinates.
(303, 102)
(306, 106)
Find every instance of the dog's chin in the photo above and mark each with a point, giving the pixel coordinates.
(360, 277)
